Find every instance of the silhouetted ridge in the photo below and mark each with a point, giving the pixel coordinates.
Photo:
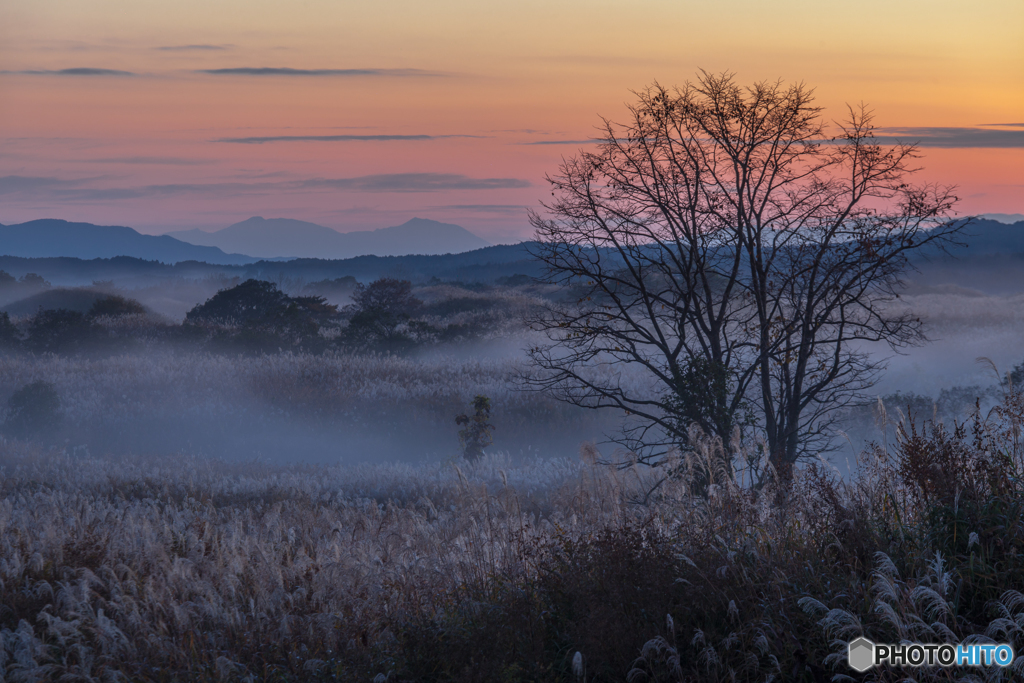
(49, 237)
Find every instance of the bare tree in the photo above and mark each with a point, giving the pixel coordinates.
(723, 242)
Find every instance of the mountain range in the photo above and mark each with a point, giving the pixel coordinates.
(485, 265)
(415, 248)
(1004, 217)
(48, 237)
(288, 238)
(239, 244)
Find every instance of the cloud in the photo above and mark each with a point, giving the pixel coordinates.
(173, 190)
(415, 182)
(948, 137)
(284, 71)
(155, 161)
(72, 190)
(184, 48)
(607, 60)
(17, 184)
(561, 142)
(1003, 125)
(951, 137)
(76, 71)
(486, 208)
(336, 138)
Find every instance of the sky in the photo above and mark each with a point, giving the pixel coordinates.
(360, 115)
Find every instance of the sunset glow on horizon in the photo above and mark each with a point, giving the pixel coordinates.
(361, 115)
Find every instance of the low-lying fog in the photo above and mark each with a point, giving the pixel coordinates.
(962, 325)
(297, 407)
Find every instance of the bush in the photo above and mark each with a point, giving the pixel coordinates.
(337, 289)
(33, 280)
(9, 337)
(32, 410)
(115, 306)
(475, 434)
(61, 331)
(517, 280)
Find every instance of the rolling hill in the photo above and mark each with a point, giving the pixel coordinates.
(49, 238)
(287, 238)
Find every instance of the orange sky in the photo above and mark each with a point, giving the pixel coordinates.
(485, 83)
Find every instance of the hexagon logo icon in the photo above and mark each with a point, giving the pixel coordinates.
(861, 654)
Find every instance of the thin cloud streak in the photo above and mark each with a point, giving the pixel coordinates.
(76, 71)
(186, 48)
(155, 161)
(415, 182)
(337, 138)
(285, 71)
(485, 208)
(950, 138)
(71, 190)
(922, 136)
(14, 184)
(561, 142)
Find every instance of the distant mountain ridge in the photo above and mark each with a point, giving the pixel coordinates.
(481, 265)
(1004, 217)
(988, 236)
(51, 237)
(982, 237)
(73, 253)
(289, 238)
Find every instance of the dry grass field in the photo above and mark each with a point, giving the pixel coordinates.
(293, 407)
(187, 569)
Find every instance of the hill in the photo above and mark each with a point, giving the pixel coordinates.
(79, 300)
(49, 238)
(990, 237)
(284, 237)
(481, 265)
(993, 262)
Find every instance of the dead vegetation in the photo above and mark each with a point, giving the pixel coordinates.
(175, 570)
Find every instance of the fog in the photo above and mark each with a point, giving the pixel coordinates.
(159, 395)
(962, 326)
(153, 387)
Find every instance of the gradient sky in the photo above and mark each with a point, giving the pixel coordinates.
(360, 115)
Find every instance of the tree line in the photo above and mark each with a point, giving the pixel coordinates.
(254, 316)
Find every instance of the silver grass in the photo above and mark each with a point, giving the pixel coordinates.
(933, 604)
(301, 549)
(577, 664)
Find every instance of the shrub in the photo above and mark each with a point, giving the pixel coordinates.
(115, 306)
(475, 434)
(60, 331)
(337, 289)
(9, 337)
(32, 410)
(33, 280)
(516, 280)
